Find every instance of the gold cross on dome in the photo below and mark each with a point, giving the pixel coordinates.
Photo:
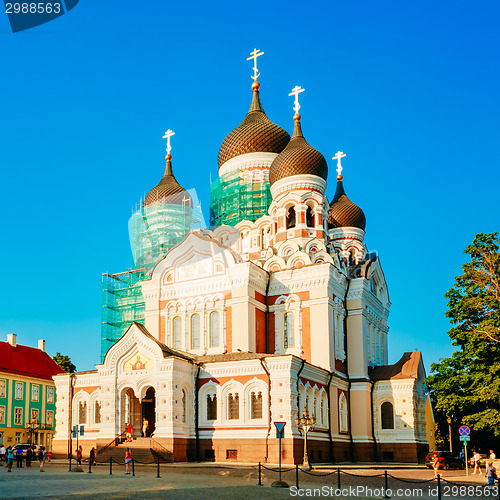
(338, 156)
(168, 135)
(296, 91)
(253, 55)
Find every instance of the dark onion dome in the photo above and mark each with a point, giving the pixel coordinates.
(256, 133)
(168, 190)
(298, 158)
(343, 212)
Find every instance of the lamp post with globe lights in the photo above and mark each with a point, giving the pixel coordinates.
(305, 424)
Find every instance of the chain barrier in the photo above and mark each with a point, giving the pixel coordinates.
(423, 481)
(318, 475)
(361, 475)
(277, 470)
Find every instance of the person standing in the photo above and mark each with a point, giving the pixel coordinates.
(491, 474)
(477, 460)
(492, 455)
(92, 456)
(3, 454)
(29, 454)
(19, 457)
(41, 458)
(435, 465)
(128, 461)
(10, 458)
(145, 427)
(79, 455)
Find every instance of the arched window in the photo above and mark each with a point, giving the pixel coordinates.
(214, 329)
(352, 257)
(256, 405)
(387, 413)
(289, 340)
(177, 328)
(97, 412)
(233, 405)
(343, 413)
(82, 412)
(211, 406)
(184, 406)
(309, 217)
(290, 218)
(195, 331)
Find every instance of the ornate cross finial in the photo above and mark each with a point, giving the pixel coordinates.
(338, 156)
(253, 55)
(296, 91)
(168, 135)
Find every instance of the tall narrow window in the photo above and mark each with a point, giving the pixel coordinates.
(97, 412)
(309, 217)
(387, 413)
(290, 218)
(82, 412)
(343, 414)
(214, 329)
(256, 405)
(195, 331)
(322, 415)
(233, 406)
(212, 407)
(289, 337)
(184, 406)
(177, 328)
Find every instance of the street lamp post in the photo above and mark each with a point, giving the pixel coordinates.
(449, 430)
(305, 424)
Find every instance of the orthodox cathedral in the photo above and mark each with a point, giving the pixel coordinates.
(277, 310)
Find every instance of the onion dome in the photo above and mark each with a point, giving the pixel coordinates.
(168, 190)
(343, 212)
(298, 158)
(256, 133)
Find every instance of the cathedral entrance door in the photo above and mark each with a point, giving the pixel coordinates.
(149, 410)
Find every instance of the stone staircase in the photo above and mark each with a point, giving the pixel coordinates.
(139, 447)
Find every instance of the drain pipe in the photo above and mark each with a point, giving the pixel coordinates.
(266, 313)
(298, 395)
(70, 419)
(269, 405)
(349, 423)
(196, 413)
(329, 418)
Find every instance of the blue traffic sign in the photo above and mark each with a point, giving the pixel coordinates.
(464, 438)
(464, 430)
(280, 426)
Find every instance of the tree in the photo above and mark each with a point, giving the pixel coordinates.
(64, 362)
(466, 387)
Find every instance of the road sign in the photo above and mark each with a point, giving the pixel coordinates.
(81, 430)
(280, 429)
(464, 430)
(465, 438)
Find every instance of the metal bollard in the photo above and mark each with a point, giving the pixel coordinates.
(70, 463)
(90, 465)
(260, 476)
(338, 478)
(110, 465)
(439, 486)
(158, 468)
(297, 475)
(133, 469)
(386, 485)
(498, 487)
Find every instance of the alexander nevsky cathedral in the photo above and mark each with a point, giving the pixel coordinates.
(277, 311)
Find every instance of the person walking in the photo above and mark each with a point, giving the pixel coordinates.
(435, 465)
(10, 458)
(41, 458)
(129, 433)
(145, 427)
(492, 455)
(3, 454)
(79, 455)
(29, 454)
(491, 474)
(477, 460)
(19, 458)
(92, 456)
(128, 461)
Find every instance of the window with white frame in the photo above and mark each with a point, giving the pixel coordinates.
(34, 415)
(387, 415)
(322, 411)
(35, 392)
(289, 340)
(211, 406)
(82, 412)
(255, 404)
(343, 413)
(177, 332)
(19, 390)
(50, 394)
(2, 415)
(18, 416)
(233, 406)
(195, 331)
(3, 387)
(214, 329)
(18, 437)
(97, 412)
(50, 418)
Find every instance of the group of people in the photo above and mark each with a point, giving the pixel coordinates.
(491, 472)
(9, 454)
(79, 455)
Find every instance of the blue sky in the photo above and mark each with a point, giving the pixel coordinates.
(409, 90)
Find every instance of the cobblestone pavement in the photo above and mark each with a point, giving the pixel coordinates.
(226, 482)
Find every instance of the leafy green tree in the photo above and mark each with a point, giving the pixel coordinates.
(466, 387)
(64, 362)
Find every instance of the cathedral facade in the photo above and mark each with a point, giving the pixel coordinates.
(277, 309)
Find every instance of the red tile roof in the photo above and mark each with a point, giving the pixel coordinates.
(27, 361)
(407, 367)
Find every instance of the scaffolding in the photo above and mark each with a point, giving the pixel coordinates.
(122, 304)
(153, 231)
(233, 199)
